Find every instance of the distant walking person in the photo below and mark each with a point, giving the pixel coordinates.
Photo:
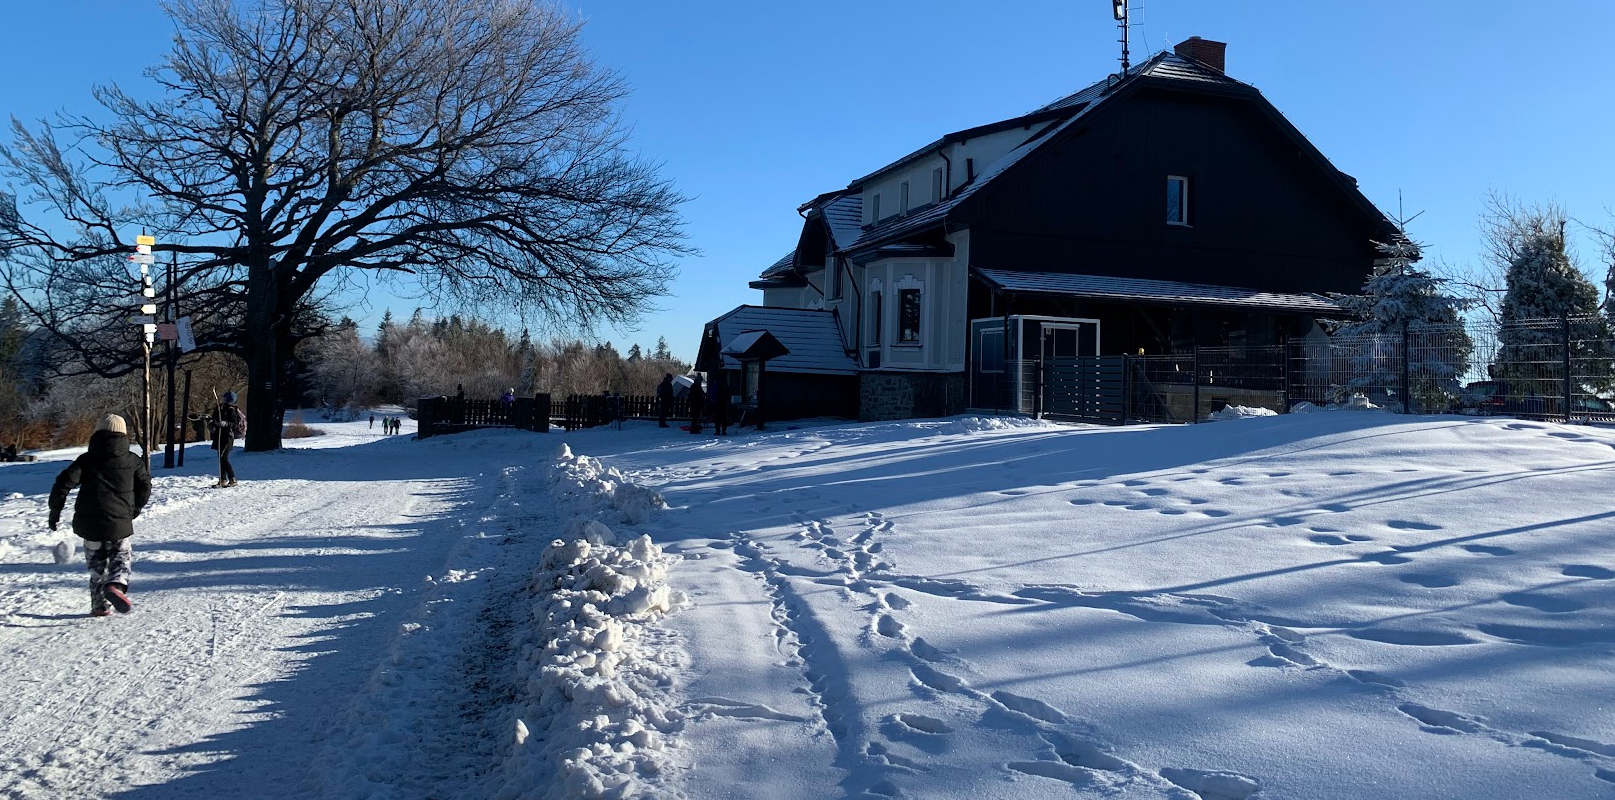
(228, 423)
(718, 398)
(664, 399)
(697, 404)
(116, 484)
(372, 422)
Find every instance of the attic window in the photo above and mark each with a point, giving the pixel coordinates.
(1177, 200)
(874, 208)
(936, 184)
(902, 197)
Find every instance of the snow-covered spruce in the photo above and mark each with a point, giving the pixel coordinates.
(597, 705)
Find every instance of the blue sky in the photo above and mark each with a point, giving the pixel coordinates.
(755, 107)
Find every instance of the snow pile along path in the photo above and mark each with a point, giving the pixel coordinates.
(596, 707)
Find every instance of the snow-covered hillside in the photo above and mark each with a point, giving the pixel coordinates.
(1334, 605)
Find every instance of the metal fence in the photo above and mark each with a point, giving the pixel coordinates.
(1561, 368)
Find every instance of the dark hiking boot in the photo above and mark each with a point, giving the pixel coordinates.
(100, 611)
(115, 594)
(231, 483)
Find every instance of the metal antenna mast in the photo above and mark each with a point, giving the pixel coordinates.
(1119, 9)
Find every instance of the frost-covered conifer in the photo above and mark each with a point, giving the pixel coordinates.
(1544, 285)
(1400, 297)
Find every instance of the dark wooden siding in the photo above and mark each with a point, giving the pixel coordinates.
(1263, 214)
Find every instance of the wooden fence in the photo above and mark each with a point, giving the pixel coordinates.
(441, 415)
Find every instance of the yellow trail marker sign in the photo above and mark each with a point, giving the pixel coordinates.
(146, 240)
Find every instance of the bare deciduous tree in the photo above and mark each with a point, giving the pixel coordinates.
(471, 144)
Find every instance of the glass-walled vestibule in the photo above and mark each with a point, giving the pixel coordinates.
(1005, 353)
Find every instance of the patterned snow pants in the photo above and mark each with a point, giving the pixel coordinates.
(110, 562)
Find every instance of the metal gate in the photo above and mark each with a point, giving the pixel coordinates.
(1089, 388)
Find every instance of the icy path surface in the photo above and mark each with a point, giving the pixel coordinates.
(261, 613)
(1346, 605)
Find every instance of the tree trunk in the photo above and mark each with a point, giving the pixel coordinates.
(263, 343)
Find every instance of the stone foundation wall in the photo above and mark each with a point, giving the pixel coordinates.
(906, 395)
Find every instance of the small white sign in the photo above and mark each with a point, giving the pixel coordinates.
(144, 260)
(149, 308)
(143, 249)
(151, 329)
(187, 342)
(149, 292)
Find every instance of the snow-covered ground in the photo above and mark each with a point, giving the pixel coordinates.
(1334, 605)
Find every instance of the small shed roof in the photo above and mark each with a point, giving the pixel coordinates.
(812, 339)
(1169, 292)
(754, 346)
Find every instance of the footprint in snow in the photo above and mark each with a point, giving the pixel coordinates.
(1031, 707)
(1408, 525)
(1435, 720)
(889, 627)
(1588, 571)
(1329, 539)
(1488, 550)
(1542, 602)
(1213, 784)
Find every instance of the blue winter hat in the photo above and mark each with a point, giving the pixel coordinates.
(229, 397)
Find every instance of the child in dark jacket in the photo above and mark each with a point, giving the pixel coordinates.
(116, 484)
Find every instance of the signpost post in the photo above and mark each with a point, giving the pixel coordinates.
(148, 323)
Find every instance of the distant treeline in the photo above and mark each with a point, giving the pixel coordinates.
(425, 358)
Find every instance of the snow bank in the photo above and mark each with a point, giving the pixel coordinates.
(597, 708)
(1356, 402)
(1241, 412)
(978, 424)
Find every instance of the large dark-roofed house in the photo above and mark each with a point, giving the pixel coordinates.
(1156, 211)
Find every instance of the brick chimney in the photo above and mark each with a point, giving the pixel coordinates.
(1212, 54)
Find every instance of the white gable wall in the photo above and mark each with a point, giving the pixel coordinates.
(983, 149)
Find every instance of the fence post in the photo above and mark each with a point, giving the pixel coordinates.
(1564, 337)
(1039, 385)
(1407, 372)
(1127, 386)
(1194, 413)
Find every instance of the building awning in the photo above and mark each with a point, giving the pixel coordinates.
(1106, 287)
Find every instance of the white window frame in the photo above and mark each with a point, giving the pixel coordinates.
(877, 308)
(1182, 182)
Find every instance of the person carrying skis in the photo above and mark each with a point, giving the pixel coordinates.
(697, 404)
(228, 423)
(115, 486)
(664, 399)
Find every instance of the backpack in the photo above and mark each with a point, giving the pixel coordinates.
(240, 421)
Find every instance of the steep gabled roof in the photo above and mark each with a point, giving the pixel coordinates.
(780, 267)
(813, 337)
(1163, 69)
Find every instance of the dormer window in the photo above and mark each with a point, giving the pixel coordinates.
(874, 209)
(1177, 200)
(936, 184)
(902, 197)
